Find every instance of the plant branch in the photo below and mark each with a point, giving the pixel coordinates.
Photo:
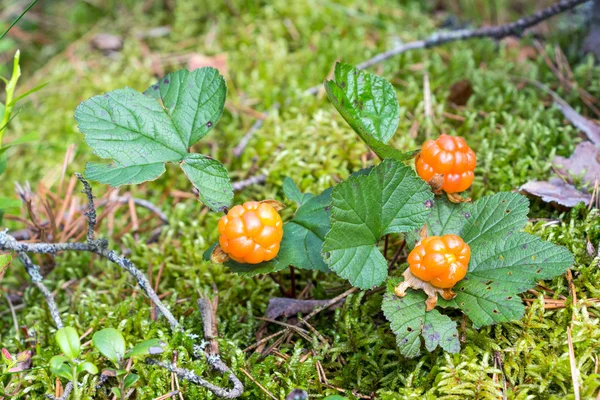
(100, 247)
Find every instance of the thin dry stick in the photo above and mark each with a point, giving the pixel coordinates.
(258, 384)
(239, 149)
(573, 363)
(14, 316)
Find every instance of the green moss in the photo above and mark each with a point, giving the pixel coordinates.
(275, 51)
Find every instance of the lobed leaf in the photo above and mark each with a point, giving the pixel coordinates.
(410, 322)
(390, 199)
(504, 262)
(140, 132)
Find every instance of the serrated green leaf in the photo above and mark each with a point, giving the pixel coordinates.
(409, 321)
(211, 179)
(110, 343)
(504, 262)
(114, 175)
(291, 191)
(193, 100)
(370, 106)
(302, 241)
(151, 346)
(67, 339)
(391, 199)
(141, 132)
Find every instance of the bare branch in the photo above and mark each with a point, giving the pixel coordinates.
(253, 180)
(515, 28)
(239, 149)
(91, 212)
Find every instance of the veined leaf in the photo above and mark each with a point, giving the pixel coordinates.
(370, 106)
(390, 199)
(110, 343)
(140, 132)
(504, 262)
(410, 322)
(292, 192)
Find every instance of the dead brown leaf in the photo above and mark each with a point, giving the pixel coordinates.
(460, 92)
(584, 162)
(218, 61)
(556, 191)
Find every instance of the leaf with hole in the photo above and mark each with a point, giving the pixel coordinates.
(413, 325)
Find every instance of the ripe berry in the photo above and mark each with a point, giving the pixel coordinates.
(251, 233)
(440, 260)
(449, 157)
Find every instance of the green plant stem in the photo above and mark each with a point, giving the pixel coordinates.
(76, 394)
(10, 92)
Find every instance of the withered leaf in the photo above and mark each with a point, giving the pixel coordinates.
(584, 162)
(556, 190)
(460, 92)
(285, 307)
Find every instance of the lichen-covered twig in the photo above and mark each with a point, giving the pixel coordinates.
(253, 180)
(515, 28)
(211, 348)
(100, 247)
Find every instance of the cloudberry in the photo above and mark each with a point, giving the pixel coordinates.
(440, 260)
(251, 233)
(448, 158)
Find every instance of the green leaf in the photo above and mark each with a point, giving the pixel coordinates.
(27, 93)
(391, 199)
(139, 132)
(410, 322)
(291, 191)
(130, 380)
(87, 366)
(370, 106)
(119, 175)
(110, 343)
(151, 346)
(193, 100)
(504, 262)
(59, 367)
(27, 138)
(67, 339)
(3, 163)
(335, 397)
(116, 391)
(210, 178)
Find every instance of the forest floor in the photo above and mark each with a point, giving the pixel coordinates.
(270, 54)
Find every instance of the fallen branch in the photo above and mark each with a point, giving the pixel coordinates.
(239, 149)
(99, 247)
